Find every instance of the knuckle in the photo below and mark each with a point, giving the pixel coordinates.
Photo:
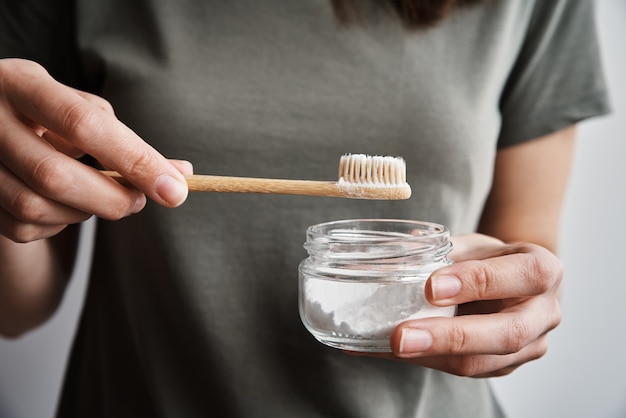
(10, 67)
(27, 66)
(27, 206)
(518, 335)
(140, 164)
(467, 366)
(82, 121)
(557, 314)
(22, 233)
(541, 349)
(115, 212)
(543, 273)
(118, 206)
(97, 101)
(101, 103)
(481, 279)
(14, 70)
(51, 178)
(457, 339)
(544, 268)
(505, 371)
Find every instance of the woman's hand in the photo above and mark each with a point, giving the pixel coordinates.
(508, 297)
(508, 294)
(44, 127)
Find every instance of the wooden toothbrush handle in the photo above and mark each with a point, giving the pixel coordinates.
(226, 184)
(207, 183)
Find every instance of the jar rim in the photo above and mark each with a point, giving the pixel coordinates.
(386, 229)
(392, 240)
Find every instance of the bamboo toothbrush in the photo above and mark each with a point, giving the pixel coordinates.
(360, 177)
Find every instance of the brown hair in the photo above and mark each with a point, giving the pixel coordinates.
(412, 13)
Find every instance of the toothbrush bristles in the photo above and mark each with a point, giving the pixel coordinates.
(370, 170)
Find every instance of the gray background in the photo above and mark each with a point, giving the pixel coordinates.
(583, 374)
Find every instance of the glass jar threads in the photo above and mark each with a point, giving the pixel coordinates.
(363, 277)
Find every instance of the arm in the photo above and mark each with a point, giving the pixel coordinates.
(528, 190)
(33, 278)
(508, 274)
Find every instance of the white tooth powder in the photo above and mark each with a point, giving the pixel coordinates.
(361, 310)
(361, 281)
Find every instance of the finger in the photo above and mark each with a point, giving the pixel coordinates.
(61, 178)
(486, 365)
(95, 131)
(65, 146)
(23, 232)
(23, 204)
(483, 366)
(512, 271)
(477, 365)
(97, 101)
(184, 166)
(61, 145)
(506, 332)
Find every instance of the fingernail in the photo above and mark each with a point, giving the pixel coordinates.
(171, 190)
(140, 203)
(415, 340)
(445, 287)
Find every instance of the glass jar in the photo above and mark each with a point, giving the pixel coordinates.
(365, 276)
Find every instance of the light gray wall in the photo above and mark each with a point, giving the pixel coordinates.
(583, 375)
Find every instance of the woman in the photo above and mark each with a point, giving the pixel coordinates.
(193, 311)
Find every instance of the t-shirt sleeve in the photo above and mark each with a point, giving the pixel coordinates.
(41, 31)
(557, 79)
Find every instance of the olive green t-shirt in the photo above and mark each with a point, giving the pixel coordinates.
(193, 312)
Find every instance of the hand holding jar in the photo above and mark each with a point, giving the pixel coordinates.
(508, 300)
